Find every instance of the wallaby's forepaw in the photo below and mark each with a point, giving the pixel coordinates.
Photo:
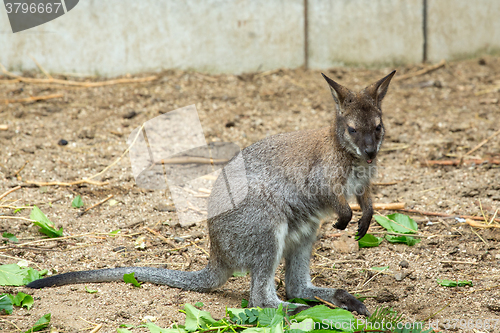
(346, 301)
(363, 226)
(343, 221)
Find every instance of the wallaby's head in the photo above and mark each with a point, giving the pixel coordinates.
(359, 126)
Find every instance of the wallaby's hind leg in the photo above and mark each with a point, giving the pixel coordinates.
(298, 281)
(265, 262)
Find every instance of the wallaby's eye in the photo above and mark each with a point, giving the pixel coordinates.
(351, 130)
(378, 128)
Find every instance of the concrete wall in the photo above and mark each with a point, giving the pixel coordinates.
(113, 37)
(365, 32)
(461, 28)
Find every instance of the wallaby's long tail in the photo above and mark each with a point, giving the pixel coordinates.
(202, 281)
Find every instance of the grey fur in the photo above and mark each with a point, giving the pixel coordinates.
(291, 182)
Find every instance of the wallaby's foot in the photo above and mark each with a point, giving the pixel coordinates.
(363, 225)
(346, 301)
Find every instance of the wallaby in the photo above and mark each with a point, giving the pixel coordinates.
(293, 180)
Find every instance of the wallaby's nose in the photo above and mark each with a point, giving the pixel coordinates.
(371, 152)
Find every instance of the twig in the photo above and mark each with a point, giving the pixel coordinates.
(10, 191)
(41, 68)
(482, 143)
(183, 246)
(96, 329)
(4, 127)
(435, 313)
(397, 234)
(31, 98)
(487, 91)
(429, 69)
(16, 174)
(333, 306)
(160, 236)
(382, 206)
(119, 158)
(475, 224)
(199, 247)
(97, 204)
(493, 218)
(384, 183)
(78, 182)
(16, 218)
(76, 83)
(456, 162)
(458, 262)
(477, 218)
(379, 272)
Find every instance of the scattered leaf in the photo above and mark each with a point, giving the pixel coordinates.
(199, 304)
(46, 226)
(113, 202)
(240, 274)
(22, 300)
(244, 303)
(77, 202)
(10, 237)
(115, 232)
(42, 323)
(408, 240)
(369, 240)
(196, 319)
(398, 223)
(454, 283)
(90, 291)
(380, 268)
(153, 328)
(130, 278)
(6, 304)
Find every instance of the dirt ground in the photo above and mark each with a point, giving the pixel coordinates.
(440, 115)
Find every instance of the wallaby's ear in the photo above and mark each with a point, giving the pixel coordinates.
(339, 92)
(378, 90)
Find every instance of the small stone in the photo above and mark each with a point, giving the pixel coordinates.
(62, 142)
(493, 307)
(497, 256)
(230, 124)
(404, 264)
(130, 115)
(481, 62)
(179, 239)
(399, 276)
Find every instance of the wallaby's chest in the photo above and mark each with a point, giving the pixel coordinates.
(358, 180)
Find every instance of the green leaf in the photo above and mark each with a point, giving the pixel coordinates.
(408, 240)
(323, 314)
(240, 274)
(90, 291)
(383, 268)
(454, 283)
(115, 232)
(244, 303)
(130, 278)
(398, 223)
(32, 274)
(22, 300)
(6, 303)
(42, 323)
(12, 275)
(196, 319)
(153, 328)
(10, 237)
(46, 226)
(199, 304)
(77, 202)
(370, 241)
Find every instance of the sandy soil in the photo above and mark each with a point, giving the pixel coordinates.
(439, 115)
